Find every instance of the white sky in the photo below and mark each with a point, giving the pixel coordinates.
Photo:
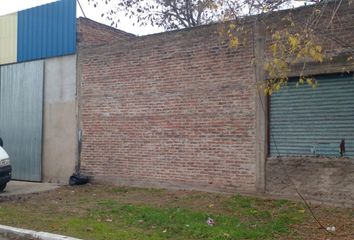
(126, 24)
(10, 6)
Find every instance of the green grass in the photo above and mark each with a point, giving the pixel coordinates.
(184, 223)
(123, 213)
(120, 190)
(111, 219)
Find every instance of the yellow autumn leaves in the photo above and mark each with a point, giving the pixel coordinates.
(292, 45)
(286, 50)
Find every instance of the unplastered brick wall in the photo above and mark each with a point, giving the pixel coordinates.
(178, 109)
(331, 25)
(174, 109)
(93, 33)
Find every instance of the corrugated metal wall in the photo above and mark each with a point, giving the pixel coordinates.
(47, 31)
(21, 111)
(8, 38)
(306, 121)
(37, 33)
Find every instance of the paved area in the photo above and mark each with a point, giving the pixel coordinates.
(19, 188)
(25, 234)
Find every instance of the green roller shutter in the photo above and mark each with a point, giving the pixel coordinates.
(306, 121)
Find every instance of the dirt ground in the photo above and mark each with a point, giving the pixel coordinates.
(75, 200)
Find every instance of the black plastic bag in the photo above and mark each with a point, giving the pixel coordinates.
(78, 179)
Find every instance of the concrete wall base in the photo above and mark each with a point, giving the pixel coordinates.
(325, 180)
(187, 185)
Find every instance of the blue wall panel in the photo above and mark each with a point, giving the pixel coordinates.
(47, 31)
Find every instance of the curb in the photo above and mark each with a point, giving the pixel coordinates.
(19, 232)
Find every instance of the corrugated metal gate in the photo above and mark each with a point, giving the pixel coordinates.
(306, 121)
(21, 111)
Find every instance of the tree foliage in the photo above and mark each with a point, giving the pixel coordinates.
(289, 48)
(176, 14)
(169, 14)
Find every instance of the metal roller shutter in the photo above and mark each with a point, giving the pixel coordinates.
(307, 122)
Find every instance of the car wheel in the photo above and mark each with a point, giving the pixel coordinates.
(2, 186)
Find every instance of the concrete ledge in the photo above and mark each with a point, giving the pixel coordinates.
(24, 233)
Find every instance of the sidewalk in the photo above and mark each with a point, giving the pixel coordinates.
(21, 234)
(15, 188)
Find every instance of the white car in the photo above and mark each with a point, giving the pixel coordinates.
(5, 169)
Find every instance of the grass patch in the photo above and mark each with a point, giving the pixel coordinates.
(111, 219)
(101, 212)
(120, 190)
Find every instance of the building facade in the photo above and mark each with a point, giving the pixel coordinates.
(181, 109)
(38, 107)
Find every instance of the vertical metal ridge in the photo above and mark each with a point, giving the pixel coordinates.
(47, 31)
(21, 117)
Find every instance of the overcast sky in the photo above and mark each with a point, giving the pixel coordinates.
(125, 23)
(10, 6)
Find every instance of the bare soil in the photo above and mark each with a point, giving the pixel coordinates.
(75, 201)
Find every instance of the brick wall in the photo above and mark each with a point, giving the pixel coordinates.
(173, 109)
(178, 109)
(334, 32)
(93, 33)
